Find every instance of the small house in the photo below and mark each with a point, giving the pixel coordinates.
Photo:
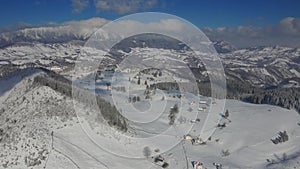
(188, 137)
(197, 141)
(197, 165)
(200, 109)
(202, 102)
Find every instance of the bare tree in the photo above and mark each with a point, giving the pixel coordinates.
(147, 152)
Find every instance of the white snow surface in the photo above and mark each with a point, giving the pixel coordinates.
(246, 137)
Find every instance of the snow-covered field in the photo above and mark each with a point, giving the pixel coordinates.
(247, 139)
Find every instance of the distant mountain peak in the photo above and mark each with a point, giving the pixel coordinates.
(223, 46)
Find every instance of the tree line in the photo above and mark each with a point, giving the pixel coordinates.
(65, 87)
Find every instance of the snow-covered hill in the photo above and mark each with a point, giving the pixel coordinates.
(38, 130)
(28, 115)
(264, 66)
(38, 127)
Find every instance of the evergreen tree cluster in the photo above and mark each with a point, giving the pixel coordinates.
(64, 86)
(282, 137)
(165, 86)
(173, 113)
(134, 99)
(284, 97)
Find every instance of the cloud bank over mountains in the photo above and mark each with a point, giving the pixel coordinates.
(285, 33)
(72, 30)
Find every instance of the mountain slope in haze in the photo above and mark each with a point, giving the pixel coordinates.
(264, 66)
(248, 71)
(261, 66)
(57, 33)
(224, 47)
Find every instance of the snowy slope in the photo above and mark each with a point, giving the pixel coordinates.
(247, 138)
(31, 113)
(28, 114)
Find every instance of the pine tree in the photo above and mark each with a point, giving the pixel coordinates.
(134, 99)
(160, 73)
(139, 81)
(226, 114)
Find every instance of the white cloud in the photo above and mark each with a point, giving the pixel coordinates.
(124, 6)
(115, 6)
(79, 5)
(289, 26)
(172, 25)
(285, 33)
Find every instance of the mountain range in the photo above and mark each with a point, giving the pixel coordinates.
(38, 124)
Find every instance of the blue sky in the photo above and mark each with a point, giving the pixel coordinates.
(203, 13)
(243, 23)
